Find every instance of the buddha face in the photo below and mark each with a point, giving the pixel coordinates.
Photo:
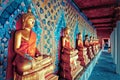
(28, 20)
(79, 36)
(67, 31)
(86, 37)
(91, 38)
(30, 23)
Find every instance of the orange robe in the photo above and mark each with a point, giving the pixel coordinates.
(65, 70)
(80, 52)
(92, 44)
(67, 48)
(66, 52)
(29, 47)
(26, 47)
(87, 45)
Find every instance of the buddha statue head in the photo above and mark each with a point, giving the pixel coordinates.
(66, 31)
(79, 35)
(86, 37)
(91, 37)
(28, 20)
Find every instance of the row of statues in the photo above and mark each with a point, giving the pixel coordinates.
(74, 60)
(30, 64)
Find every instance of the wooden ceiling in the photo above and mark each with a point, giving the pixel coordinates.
(100, 12)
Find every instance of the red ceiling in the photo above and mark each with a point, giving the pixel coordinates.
(101, 20)
(102, 25)
(90, 3)
(100, 12)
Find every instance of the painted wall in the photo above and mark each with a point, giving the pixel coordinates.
(51, 17)
(54, 15)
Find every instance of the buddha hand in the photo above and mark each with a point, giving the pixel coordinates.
(33, 64)
(28, 57)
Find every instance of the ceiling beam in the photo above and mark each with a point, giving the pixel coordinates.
(101, 29)
(104, 19)
(99, 6)
(103, 26)
(104, 29)
(101, 17)
(102, 23)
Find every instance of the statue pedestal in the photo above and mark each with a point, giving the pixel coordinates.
(94, 49)
(92, 55)
(88, 70)
(42, 71)
(97, 48)
(85, 56)
(70, 66)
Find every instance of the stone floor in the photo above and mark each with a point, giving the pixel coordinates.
(104, 69)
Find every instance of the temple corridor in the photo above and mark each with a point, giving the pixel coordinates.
(59, 39)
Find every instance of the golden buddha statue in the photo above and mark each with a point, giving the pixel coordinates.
(87, 45)
(69, 63)
(91, 40)
(96, 45)
(79, 46)
(29, 64)
(66, 46)
(92, 44)
(25, 44)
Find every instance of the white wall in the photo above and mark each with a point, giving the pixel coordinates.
(118, 48)
(115, 46)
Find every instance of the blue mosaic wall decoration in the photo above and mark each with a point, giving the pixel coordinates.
(83, 34)
(89, 34)
(51, 17)
(76, 31)
(50, 13)
(10, 13)
(61, 24)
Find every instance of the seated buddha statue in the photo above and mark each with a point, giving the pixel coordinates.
(79, 46)
(92, 44)
(97, 45)
(69, 64)
(87, 45)
(66, 46)
(25, 44)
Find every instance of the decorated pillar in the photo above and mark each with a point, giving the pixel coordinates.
(118, 38)
(113, 44)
